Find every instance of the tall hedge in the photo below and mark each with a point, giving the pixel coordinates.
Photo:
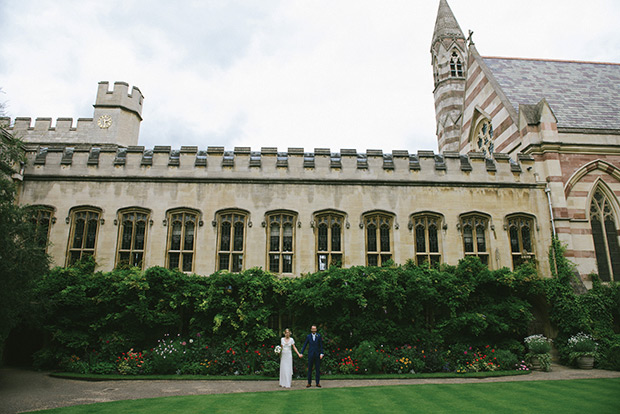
(80, 310)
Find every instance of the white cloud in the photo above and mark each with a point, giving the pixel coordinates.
(344, 74)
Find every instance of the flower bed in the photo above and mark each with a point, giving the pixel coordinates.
(176, 355)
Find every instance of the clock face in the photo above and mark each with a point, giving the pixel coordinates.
(104, 121)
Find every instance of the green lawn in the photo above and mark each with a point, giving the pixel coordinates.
(575, 396)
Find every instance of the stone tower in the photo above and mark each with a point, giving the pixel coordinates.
(449, 60)
(117, 114)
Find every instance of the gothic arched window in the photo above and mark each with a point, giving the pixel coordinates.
(474, 237)
(42, 218)
(520, 233)
(83, 236)
(426, 236)
(456, 66)
(182, 239)
(605, 235)
(281, 240)
(378, 239)
(329, 240)
(483, 138)
(231, 240)
(132, 230)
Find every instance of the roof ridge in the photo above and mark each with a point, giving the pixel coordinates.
(550, 60)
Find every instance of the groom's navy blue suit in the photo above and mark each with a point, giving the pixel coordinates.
(315, 350)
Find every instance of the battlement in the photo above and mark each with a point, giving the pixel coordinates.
(243, 163)
(119, 97)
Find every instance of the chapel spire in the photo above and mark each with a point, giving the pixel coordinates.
(446, 25)
(449, 60)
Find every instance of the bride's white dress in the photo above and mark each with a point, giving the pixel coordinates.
(286, 362)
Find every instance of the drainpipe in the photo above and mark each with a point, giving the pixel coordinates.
(548, 192)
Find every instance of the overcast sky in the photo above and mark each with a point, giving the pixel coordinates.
(335, 74)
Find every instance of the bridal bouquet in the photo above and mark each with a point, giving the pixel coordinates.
(277, 349)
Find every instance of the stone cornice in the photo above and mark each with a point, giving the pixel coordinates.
(286, 181)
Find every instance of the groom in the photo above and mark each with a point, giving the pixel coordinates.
(315, 355)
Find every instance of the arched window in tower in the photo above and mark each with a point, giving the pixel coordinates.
(605, 235)
(483, 138)
(435, 71)
(456, 66)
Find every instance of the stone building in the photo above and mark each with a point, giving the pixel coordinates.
(527, 149)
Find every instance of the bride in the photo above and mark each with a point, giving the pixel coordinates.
(286, 359)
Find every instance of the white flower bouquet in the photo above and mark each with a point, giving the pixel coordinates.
(277, 349)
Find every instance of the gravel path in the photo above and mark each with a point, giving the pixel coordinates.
(23, 390)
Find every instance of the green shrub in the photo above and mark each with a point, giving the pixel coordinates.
(103, 368)
(505, 359)
(610, 353)
(367, 358)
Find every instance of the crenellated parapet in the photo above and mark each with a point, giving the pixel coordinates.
(116, 120)
(109, 162)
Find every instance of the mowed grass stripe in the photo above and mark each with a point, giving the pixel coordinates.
(598, 396)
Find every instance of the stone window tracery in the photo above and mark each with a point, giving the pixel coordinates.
(42, 218)
(456, 65)
(426, 239)
(474, 229)
(378, 238)
(329, 240)
(605, 236)
(231, 241)
(181, 239)
(131, 245)
(483, 138)
(281, 242)
(83, 234)
(520, 233)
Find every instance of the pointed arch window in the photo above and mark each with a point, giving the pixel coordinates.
(474, 229)
(378, 238)
(426, 239)
(182, 239)
(605, 235)
(231, 240)
(132, 231)
(42, 218)
(83, 236)
(483, 137)
(520, 233)
(329, 240)
(456, 65)
(281, 241)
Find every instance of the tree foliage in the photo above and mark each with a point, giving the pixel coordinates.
(22, 259)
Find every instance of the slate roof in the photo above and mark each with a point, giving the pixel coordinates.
(581, 94)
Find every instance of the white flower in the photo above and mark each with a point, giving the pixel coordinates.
(191, 341)
(277, 349)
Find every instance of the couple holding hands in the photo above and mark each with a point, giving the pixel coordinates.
(314, 342)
